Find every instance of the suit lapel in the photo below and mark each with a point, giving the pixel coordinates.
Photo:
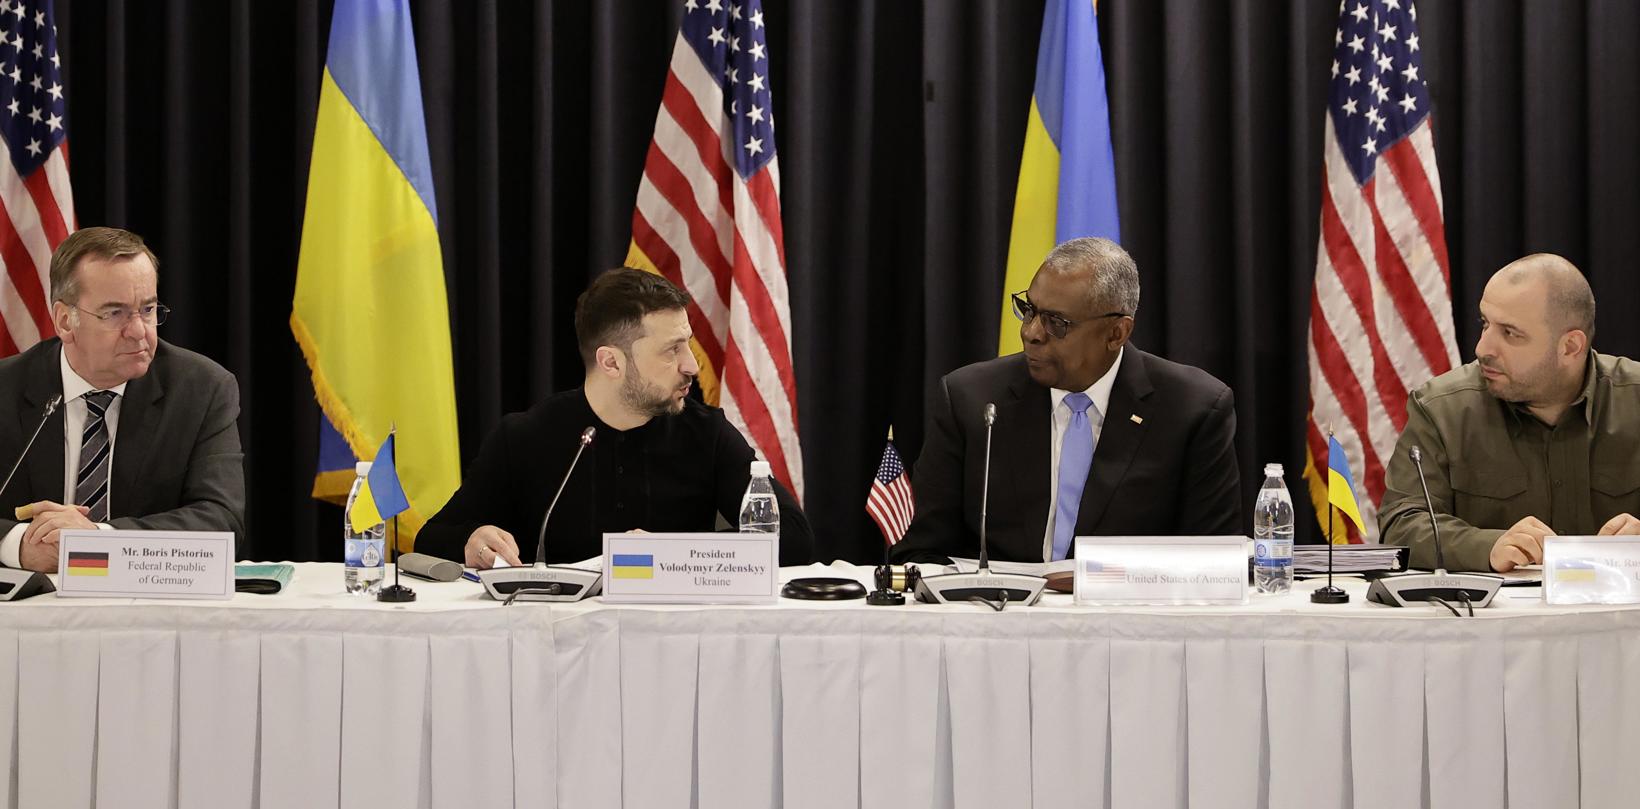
(1022, 452)
(44, 467)
(140, 413)
(1119, 440)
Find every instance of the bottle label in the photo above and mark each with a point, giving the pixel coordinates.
(364, 552)
(1272, 552)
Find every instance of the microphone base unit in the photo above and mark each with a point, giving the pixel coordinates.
(541, 583)
(958, 588)
(1416, 589)
(1329, 595)
(17, 584)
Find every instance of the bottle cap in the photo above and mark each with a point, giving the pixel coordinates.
(760, 468)
(1273, 470)
(361, 468)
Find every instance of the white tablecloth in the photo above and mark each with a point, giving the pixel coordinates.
(314, 698)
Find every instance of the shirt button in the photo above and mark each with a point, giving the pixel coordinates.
(1557, 484)
(620, 470)
(620, 506)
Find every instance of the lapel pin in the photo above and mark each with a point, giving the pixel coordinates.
(1136, 419)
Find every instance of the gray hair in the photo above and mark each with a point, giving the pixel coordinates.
(1114, 274)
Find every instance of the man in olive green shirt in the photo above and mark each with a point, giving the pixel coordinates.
(1539, 436)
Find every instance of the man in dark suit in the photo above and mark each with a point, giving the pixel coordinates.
(1092, 436)
(147, 433)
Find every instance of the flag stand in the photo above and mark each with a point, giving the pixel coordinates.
(396, 593)
(1329, 594)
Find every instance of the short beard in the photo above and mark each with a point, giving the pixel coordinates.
(645, 399)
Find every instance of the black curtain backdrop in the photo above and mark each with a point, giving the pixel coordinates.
(901, 125)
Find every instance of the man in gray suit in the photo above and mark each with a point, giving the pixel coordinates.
(147, 434)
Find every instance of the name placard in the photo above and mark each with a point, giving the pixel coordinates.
(692, 568)
(1591, 570)
(145, 564)
(1161, 570)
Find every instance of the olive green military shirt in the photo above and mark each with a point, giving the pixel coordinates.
(1491, 463)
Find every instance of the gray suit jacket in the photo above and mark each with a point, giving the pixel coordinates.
(177, 461)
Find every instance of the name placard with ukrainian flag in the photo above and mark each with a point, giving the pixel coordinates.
(703, 568)
(145, 564)
(1591, 570)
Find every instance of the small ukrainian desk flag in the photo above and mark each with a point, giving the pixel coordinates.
(382, 497)
(1341, 488)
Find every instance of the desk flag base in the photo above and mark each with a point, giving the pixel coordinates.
(1329, 595)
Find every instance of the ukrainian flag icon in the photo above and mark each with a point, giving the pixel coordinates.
(633, 566)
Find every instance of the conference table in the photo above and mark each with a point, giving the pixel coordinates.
(314, 698)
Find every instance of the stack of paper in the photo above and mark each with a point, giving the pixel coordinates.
(1349, 558)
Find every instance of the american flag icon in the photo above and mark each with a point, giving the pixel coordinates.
(1096, 571)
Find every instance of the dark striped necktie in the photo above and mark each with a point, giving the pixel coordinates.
(96, 456)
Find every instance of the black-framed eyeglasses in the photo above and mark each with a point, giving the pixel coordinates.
(118, 316)
(1056, 326)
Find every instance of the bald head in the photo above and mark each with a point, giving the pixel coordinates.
(1569, 302)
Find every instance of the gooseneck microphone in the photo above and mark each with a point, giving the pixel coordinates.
(993, 589)
(17, 584)
(51, 407)
(1417, 456)
(985, 489)
(541, 535)
(541, 581)
(1440, 587)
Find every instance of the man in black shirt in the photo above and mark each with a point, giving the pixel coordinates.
(660, 461)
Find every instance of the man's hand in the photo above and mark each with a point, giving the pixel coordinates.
(49, 518)
(486, 544)
(38, 556)
(1522, 544)
(1622, 525)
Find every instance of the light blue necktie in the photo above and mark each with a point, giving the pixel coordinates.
(1075, 456)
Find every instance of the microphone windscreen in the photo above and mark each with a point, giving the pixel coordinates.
(429, 567)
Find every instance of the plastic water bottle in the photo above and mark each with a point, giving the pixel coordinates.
(364, 551)
(1273, 534)
(759, 510)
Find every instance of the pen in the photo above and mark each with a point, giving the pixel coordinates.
(469, 575)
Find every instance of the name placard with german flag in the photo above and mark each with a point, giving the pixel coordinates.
(146, 564)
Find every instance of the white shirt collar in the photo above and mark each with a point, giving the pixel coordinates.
(74, 386)
(1099, 391)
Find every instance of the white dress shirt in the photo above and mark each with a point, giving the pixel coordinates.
(1099, 392)
(74, 418)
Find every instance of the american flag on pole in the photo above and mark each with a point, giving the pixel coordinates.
(889, 503)
(36, 203)
(1381, 312)
(708, 219)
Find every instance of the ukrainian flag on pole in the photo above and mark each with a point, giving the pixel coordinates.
(370, 311)
(1067, 176)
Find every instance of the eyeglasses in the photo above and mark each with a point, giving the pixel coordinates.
(119, 316)
(1056, 327)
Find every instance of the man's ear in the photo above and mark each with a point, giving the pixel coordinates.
(609, 361)
(62, 319)
(1574, 343)
(1120, 331)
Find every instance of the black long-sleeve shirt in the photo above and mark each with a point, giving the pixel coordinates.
(675, 473)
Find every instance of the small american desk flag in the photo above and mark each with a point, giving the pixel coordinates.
(889, 502)
(39, 205)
